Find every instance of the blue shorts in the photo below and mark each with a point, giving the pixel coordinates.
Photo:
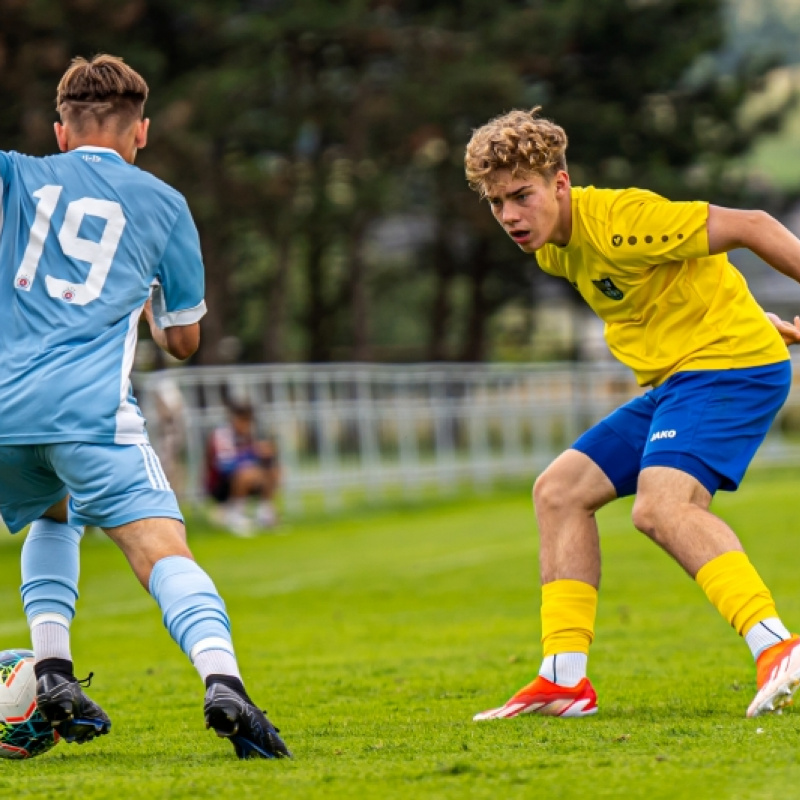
(107, 484)
(707, 423)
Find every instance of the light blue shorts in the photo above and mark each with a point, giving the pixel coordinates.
(108, 484)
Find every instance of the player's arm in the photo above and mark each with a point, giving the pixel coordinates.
(759, 232)
(176, 302)
(180, 341)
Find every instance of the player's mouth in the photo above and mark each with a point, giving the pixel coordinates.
(520, 236)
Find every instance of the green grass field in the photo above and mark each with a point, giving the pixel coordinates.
(372, 640)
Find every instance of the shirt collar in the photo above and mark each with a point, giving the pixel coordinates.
(87, 148)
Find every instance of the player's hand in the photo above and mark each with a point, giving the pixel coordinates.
(789, 331)
(159, 337)
(147, 311)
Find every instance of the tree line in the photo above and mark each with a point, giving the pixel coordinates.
(320, 144)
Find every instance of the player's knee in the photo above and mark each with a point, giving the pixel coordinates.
(647, 515)
(551, 493)
(248, 476)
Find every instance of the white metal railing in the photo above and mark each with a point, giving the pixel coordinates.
(373, 429)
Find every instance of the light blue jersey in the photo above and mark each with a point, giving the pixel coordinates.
(83, 237)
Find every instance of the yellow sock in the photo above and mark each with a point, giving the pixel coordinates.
(568, 612)
(736, 590)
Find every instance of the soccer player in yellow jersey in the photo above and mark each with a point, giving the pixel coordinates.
(682, 318)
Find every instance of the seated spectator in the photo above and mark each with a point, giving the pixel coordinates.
(240, 466)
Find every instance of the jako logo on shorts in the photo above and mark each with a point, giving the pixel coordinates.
(663, 435)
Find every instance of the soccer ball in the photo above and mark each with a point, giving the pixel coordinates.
(24, 732)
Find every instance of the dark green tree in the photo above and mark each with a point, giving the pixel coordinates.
(296, 128)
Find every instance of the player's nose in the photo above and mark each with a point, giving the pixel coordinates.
(509, 214)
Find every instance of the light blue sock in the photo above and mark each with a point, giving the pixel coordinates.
(50, 570)
(194, 613)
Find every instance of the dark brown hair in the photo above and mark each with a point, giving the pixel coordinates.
(100, 92)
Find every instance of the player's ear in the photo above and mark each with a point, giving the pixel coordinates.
(61, 136)
(562, 182)
(142, 127)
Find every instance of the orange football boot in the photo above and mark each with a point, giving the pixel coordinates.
(541, 696)
(777, 677)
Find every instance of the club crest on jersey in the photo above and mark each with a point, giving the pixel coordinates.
(606, 286)
(68, 294)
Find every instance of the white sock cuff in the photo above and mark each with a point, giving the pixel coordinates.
(50, 637)
(766, 633)
(57, 619)
(211, 643)
(565, 669)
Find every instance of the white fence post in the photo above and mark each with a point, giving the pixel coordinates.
(364, 429)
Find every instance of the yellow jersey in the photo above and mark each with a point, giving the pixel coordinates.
(642, 263)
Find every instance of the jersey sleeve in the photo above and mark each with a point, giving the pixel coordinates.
(645, 230)
(178, 295)
(5, 166)
(5, 174)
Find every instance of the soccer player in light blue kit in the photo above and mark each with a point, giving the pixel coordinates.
(84, 235)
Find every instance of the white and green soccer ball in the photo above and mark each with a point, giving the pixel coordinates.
(24, 732)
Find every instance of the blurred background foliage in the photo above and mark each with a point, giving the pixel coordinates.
(320, 143)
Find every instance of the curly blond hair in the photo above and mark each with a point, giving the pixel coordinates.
(101, 90)
(519, 141)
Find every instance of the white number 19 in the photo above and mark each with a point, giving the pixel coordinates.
(98, 254)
